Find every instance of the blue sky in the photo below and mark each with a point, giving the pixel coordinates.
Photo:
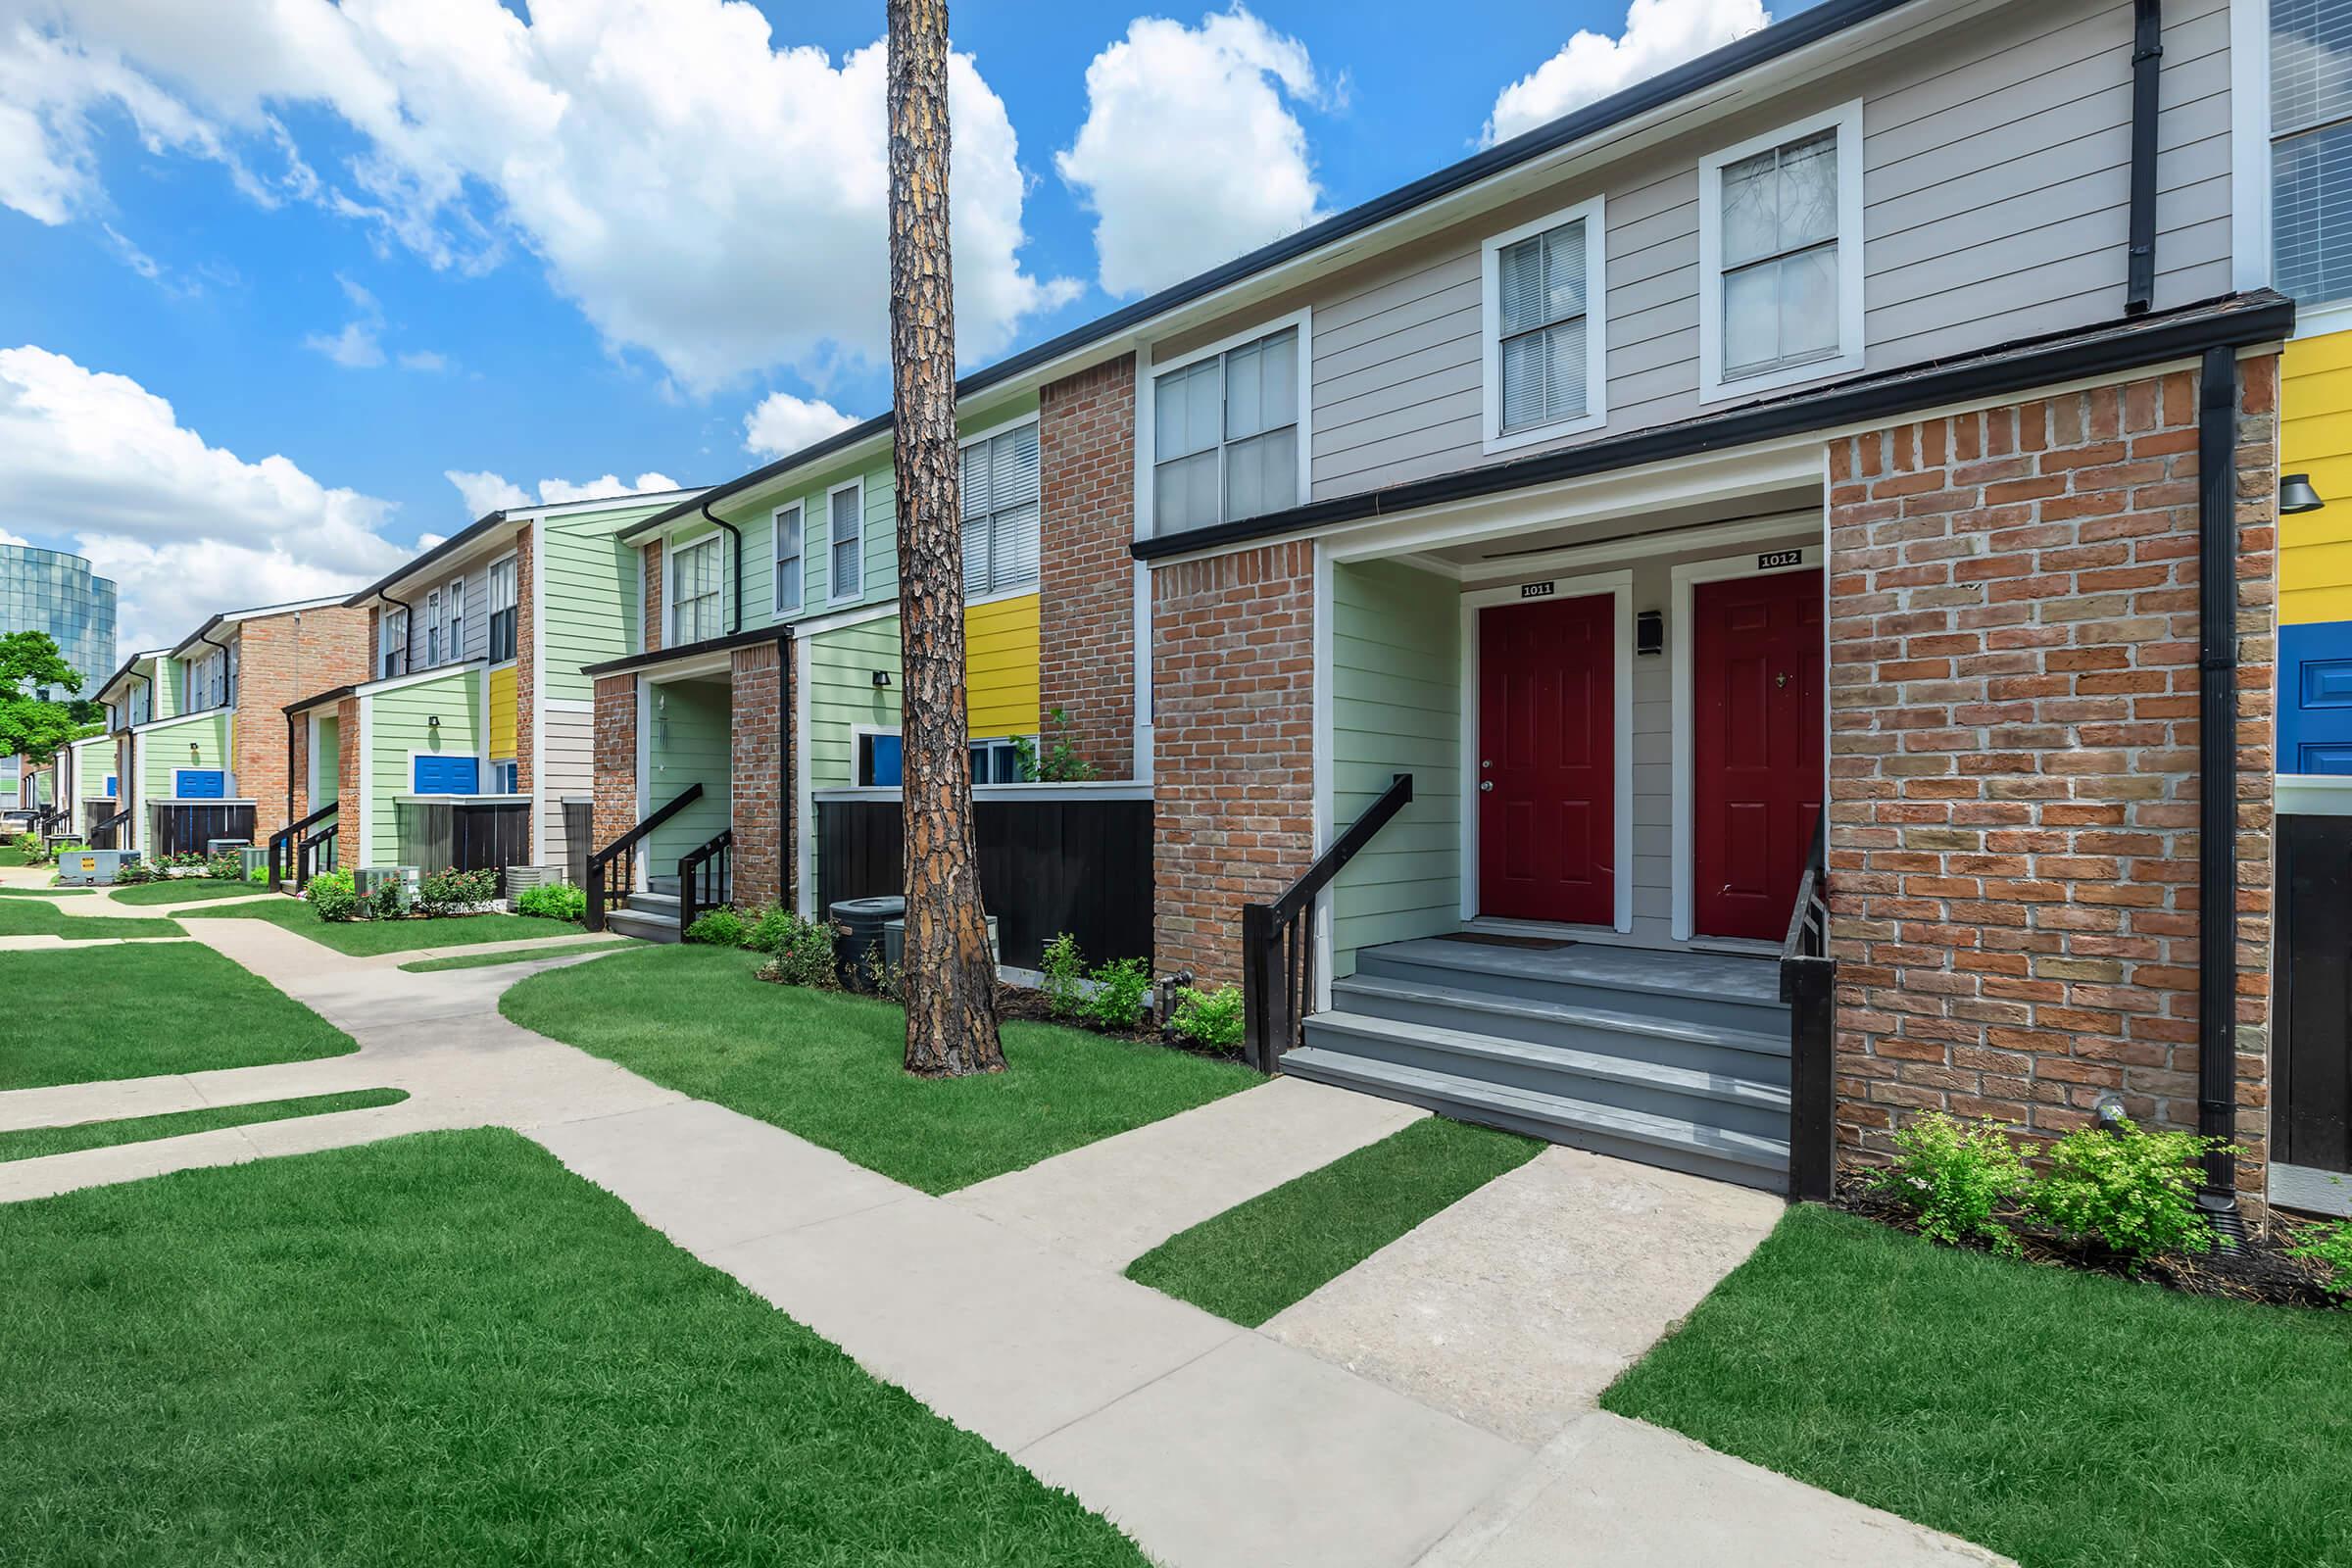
(396, 240)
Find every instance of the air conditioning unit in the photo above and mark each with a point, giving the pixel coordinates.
(522, 878)
(405, 877)
(212, 847)
(250, 861)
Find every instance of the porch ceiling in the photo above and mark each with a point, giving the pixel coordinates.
(1484, 558)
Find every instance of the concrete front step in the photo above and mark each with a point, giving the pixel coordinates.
(1677, 1144)
(628, 921)
(1716, 989)
(1597, 1077)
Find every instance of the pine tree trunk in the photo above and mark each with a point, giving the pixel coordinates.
(951, 984)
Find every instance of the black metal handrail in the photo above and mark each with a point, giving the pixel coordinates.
(623, 849)
(108, 834)
(705, 877)
(1808, 984)
(1278, 960)
(285, 841)
(315, 854)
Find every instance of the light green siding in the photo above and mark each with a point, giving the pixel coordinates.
(587, 597)
(96, 761)
(167, 700)
(163, 748)
(688, 740)
(843, 696)
(1396, 708)
(328, 787)
(397, 723)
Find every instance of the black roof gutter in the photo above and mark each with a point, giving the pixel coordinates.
(1761, 47)
(685, 651)
(447, 547)
(2259, 316)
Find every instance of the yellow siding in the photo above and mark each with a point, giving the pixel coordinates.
(1000, 655)
(2315, 438)
(502, 714)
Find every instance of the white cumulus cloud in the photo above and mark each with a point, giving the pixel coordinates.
(486, 492)
(699, 192)
(1659, 34)
(781, 425)
(1189, 154)
(186, 528)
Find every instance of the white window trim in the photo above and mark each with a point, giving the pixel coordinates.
(387, 645)
(1846, 121)
(1595, 216)
(776, 610)
(833, 594)
(2250, 238)
(672, 549)
(490, 603)
(1148, 371)
(990, 434)
(452, 619)
(857, 733)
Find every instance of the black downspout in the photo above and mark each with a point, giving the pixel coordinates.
(407, 636)
(2217, 779)
(2147, 56)
(735, 613)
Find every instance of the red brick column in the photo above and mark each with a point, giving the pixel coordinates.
(762, 815)
(2013, 844)
(284, 659)
(1085, 452)
(616, 810)
(347, 787)
(297, 766)
(1233, 695)
(650, 561)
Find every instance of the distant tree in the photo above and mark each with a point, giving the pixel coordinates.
(32, 725)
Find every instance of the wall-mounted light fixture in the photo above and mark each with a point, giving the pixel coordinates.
(1649, 631)
(433, 721)
(881, 677)
(195, 754)
(2296, 495)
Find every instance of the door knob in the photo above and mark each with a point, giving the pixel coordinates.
(1486, 783)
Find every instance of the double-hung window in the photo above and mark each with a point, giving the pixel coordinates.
(2311, 150)
(998, 760)
(844, 535)
(792, 544)
(432, 628)
(1781, 257)
(1225, 436)
(1544, 315)
(455, 604)
(698, 577)
(392, 644)
(1002, 512)
(502, 608)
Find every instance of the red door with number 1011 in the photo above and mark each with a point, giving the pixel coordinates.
(1757, 757)
(1546, 762)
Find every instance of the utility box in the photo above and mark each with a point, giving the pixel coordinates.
(404, 877)
(92, 868)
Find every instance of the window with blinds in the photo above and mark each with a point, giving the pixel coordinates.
(1542, 369)
(1225, 435)
(789, 550)
(2311, 149)
(1002, 512)
(697, 579)
(502, 610)
(845, 522)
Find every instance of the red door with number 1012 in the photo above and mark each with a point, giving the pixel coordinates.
(1757, 757)
(1546, 762)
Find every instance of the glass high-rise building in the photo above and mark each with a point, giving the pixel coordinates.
(51, 591)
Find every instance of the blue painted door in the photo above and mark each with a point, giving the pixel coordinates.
(2315, 698)
(448, 775)
(201, 783)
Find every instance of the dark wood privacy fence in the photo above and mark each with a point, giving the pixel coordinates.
(1049, 863)
(185, 827)
(466, 835)
(2312, 1057)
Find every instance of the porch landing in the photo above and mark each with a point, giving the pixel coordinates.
(1673, 1058)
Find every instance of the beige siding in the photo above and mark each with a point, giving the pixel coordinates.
(566, 766)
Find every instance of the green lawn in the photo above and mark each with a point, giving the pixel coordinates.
(447, 1348)
(10, 853)
(136, 1011)
(186, 890)
(35, 917)
(34, 1141)
(477, 961)
(2059, 1417)
(1256, 1258)
(366, 938)
(44, 893)
(828, 1066)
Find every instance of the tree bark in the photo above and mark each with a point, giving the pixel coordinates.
(949, 981)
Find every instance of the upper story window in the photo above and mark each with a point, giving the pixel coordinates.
(844, 525)
(2311, 150)
(1543, 324)
(432, 628)
(1780, 242)
(1226, 433)
(502, 608)
(208, 682)
(698, 586)
(452, 603)
(792, 543)
(1002, 512)
(392, 643)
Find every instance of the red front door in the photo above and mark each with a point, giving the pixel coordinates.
(1756, 756)
(1547, 761)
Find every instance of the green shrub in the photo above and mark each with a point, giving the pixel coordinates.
(332, 896)
(2133, 1192)
(553, 900)
(2333, 1251)
(1122, 988)
(720, 928)
(227, 867)
(888, 979)
(1064, 968)
(389, 900)
(1952, 1176)
(1209, 1020)
(801, 950)
(451, 891)
(132, 874)
(260, 874)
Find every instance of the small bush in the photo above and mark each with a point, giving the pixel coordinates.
(553, 900)
(132, 874)
(2333, 1251)
(389, 900)
(1209, 1020)
(801, 952)
(2133, 1192)
(720, 928)
(1064, 970)
(452, 891)
(332, 896)
(227, 867)
(1951, 1177)
(1122, 990)
(888, 979)
(260, 874)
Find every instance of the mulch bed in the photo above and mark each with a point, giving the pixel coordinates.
(1023, 1004)
(2256, 1269)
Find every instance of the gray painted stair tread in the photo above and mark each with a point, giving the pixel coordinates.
(1559, 1058)
(1532, 1106)
(1720, 975)
(1562, 1012)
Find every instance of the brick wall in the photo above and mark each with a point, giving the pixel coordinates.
(298, 764)
(762, 815)
(347, 783)
(2012, 844)
(1233, 697)
(616, 809)
(650, 563)
(1086, 451)
(527, 674)
(284, 659)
